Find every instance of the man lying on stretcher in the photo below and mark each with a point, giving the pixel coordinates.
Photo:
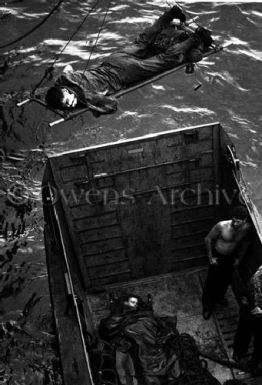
(158, 48)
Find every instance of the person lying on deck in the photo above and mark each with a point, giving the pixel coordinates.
(158, 48)
(149, 350)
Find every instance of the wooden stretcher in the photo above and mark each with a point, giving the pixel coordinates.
(66, 115)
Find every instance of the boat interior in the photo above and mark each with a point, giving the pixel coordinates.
(131, 216)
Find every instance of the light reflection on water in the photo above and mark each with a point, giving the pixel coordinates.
(231, 94)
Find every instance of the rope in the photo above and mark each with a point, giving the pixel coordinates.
(34, 28)
(49, 70)
(76, 31)
(94, 46)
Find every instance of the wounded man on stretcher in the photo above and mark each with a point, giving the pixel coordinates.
(147, 350)
(159, 48)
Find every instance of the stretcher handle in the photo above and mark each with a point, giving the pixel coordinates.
(61, 120)
(19, 104)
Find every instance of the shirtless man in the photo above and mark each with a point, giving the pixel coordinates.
(226, 244)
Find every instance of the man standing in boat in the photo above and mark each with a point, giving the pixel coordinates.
(226, 244)
(158, 48)
(250, 324)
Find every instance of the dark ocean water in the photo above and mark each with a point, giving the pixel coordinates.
(230, 93)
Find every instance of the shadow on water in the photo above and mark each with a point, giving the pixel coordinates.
(230, 94)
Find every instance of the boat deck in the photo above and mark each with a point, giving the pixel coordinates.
(180, 294)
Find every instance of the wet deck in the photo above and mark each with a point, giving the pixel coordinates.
(180, 294)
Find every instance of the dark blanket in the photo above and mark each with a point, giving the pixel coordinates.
(159, 353)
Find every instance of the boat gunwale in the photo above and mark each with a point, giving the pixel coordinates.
(133, 140)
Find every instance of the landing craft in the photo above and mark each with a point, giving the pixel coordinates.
(101, 241)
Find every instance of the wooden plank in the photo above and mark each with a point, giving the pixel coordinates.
(105, 182)
(93, 235)
(188, 253)
(101, 246)
(147, 153)
(181, 264)
(204, 132)
(217, 166)
(189, 258)
(192, 194)
(194, 149)
(132, 155)
(217, 154)
(115, 269)
(106, 258)
(146, 237)
(65, 216)
(189, 226)
(192, 211)
(105, 178)
(70, 159)
(84, 210)
(74, 367)
(188, 176)
(124, 277)
(179, 195)
(187, 239)
(107, 219)
(99, 240)
(102, 253)
(73, 173)
(136, 183)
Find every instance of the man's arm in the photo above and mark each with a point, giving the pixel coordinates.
(211, 237)
(148, 36)
(101, 104)
(98, 103)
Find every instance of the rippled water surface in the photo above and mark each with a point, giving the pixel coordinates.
(230, 93)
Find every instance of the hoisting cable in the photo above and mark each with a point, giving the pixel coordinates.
(49, 70)
(35, 27)
(71, 286)
(77, 30)
(95, 44)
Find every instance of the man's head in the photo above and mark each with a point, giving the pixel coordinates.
(239, 216)
(61, 98)
(131, 302)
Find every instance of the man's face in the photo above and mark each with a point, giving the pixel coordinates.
(69, 98)
(237, 223)
(132, 303)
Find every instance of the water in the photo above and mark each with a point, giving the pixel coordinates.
(230, 94)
